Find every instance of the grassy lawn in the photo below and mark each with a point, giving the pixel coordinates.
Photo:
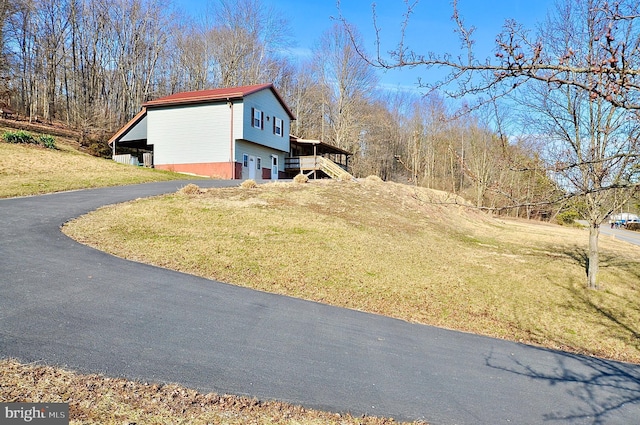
(33, 170)
(389, 249)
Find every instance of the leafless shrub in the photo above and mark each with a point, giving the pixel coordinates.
(301, 179)
(249, 184)
(190, 189)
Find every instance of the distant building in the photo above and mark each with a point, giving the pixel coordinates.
(623, 218)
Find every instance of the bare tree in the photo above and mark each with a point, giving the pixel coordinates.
(52, 36)
(6, 10)
(380, 138)
(481, 159)
(305, 95)
(586, 58)
(347, 81)
(140, 37)
(247, 37)
(432, 147)
(25, 58)
(194, 59)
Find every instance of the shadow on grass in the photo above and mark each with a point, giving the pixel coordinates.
(602, 391)
(580, 256)
(619, 316)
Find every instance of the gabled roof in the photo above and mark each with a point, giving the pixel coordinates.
(128, 126)
(216, 95)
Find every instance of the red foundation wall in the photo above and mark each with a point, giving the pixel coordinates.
(221, 170)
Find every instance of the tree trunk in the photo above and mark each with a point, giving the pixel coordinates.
(592, 261)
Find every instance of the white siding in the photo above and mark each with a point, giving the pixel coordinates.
(263, 152)
(238, 119)
(191, 134)
(267, 102)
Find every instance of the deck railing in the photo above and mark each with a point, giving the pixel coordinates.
(317, 163)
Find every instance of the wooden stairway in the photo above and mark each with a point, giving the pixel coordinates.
(309, 164)
(332, 169)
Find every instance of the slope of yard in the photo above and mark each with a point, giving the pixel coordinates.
(31, 170)
(391, 249)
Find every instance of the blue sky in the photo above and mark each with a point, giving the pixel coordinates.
(431, 28)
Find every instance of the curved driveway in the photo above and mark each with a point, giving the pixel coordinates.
(621, 234)
(65, 304)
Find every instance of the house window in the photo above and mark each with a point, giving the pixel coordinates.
(277, 126)
(256, 116)
(259, 163)
(245, 160)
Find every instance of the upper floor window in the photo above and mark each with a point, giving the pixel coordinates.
(277, 127)
(257, 120)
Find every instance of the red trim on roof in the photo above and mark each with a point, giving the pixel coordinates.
(205, 96)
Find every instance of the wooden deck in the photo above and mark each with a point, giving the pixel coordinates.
(310, 164)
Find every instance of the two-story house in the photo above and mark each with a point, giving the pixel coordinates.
(230, 133)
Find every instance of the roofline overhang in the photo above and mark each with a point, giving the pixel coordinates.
(212, 98)
(192, 100)
(128, 126)
(295, 139)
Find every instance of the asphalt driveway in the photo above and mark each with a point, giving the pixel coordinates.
(62, 303)
(620, 234)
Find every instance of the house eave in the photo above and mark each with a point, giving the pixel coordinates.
(128, 126)
(313, 142)
(216, 95)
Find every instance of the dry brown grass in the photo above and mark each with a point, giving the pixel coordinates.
(301, 179)
(96, 399)
(32, 170)
(249, 184)
(391, 249)
(190, 189)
